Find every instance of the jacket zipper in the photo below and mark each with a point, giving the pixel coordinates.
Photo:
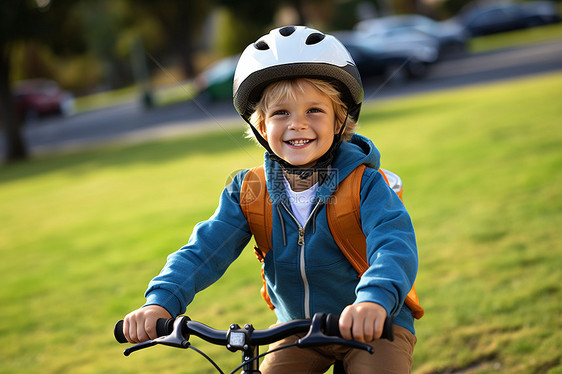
(302, 264)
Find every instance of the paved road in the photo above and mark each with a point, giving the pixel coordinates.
(130, 122)
(484, 67)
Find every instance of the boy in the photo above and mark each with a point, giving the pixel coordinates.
(301, 94)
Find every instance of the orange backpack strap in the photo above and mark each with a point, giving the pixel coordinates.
(257, 208)
(344, 221)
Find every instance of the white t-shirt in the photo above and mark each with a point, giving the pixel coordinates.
(301, 202)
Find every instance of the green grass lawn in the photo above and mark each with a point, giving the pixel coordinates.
(82, 235)
(517, 38)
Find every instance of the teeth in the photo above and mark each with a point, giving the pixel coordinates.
(299, 142)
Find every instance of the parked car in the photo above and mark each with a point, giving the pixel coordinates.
(541, 13)
(496, 18)
(373, 59)
(451, 37)
(36, 98)
(377, 61)
(379, 34)
(215, 83)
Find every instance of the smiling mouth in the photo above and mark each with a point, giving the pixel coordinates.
(299, 142)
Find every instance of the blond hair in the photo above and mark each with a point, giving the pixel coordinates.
(286, 89)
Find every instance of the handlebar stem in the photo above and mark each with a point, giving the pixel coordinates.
(238, 339)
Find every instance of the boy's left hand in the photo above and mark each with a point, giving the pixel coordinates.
(362, 322)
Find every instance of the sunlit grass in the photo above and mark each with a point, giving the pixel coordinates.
(82, 235)
(516, 38)
(483, 167)
(159, 96)
(175, 93)
(106, 98)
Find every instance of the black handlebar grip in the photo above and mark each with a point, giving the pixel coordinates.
(118, 332)
(332, 325)
(388, 329)
(163, 327)
(333, 329)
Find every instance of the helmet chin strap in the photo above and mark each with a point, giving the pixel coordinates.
(321, 165)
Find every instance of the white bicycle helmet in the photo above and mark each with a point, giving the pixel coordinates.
(294, 52)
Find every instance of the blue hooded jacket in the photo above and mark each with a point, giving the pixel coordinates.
(306, 272)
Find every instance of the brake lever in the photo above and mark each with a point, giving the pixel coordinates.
(138, 347)
(316, 338)
(176, 338)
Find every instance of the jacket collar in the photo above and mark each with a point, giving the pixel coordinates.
(359, 150)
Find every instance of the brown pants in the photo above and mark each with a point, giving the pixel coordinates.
(389, 357)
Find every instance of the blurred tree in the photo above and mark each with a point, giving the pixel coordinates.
(406, 6)
(29, 20)
(230, 35)
(452, 7)
(105, 29)
(249, 20)
(346, 15)
(180, 22)
(101, 23)
(297, 6)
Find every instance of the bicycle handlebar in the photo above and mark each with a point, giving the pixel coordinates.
(322, 330)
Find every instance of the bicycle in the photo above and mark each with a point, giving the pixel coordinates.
(322, 329)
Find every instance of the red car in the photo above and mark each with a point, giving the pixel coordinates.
(36, 98)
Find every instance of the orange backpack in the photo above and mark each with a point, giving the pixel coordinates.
(343, 219)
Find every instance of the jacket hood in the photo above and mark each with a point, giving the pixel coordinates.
(359, 150)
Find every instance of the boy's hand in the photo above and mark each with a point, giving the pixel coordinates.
(362, 322)
(140, 325)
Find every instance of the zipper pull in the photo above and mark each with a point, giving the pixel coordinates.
(301, 236)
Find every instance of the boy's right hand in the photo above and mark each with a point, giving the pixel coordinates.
(140, 325)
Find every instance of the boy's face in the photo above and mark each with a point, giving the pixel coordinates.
(301, 130)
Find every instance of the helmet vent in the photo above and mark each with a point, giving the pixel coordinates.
(288, 30)
(261, 45)
(315, 38)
